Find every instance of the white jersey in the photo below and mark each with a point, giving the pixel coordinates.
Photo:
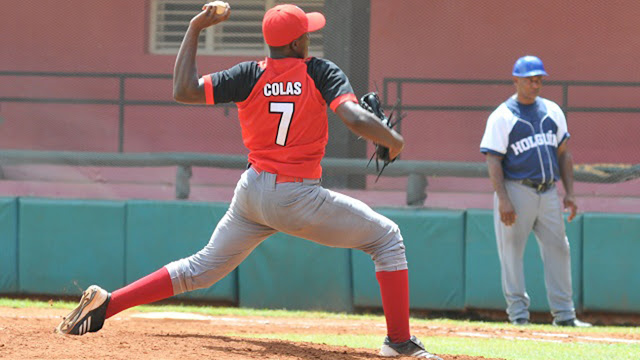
(527, 136)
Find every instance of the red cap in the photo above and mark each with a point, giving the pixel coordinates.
(284, 23)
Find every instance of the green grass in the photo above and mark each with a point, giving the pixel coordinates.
(535, 327)
(492, 347)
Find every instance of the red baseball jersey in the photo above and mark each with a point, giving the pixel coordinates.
(282, 107)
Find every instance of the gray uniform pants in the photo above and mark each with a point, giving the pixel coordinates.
(542, 213)
(260, 208)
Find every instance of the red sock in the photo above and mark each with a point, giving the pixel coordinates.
(394, 289)
(153, 287)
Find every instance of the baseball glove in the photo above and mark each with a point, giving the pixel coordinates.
(371, 102)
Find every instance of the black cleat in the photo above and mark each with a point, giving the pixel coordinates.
(571, 322)
(412, 347)
(89, 315)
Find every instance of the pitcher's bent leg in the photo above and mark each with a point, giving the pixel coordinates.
(231, 242)
(337, 220)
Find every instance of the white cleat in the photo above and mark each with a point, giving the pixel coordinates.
(412, 347)
(89, 315)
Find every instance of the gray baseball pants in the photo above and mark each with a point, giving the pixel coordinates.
(262, 207)
(542, 213)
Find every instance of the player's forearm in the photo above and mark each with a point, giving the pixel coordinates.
(496, 175)
(378, 133)
(565, 162)
(185, 73)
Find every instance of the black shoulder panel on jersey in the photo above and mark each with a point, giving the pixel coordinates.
(236, 83)
(330, 80)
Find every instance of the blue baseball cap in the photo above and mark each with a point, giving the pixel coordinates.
(528, 66)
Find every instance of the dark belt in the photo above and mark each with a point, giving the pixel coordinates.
(539, 187)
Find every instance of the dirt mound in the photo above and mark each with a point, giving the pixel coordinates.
(28, 334)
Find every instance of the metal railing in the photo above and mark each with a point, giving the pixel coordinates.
(399, 83)
(120, 100)
(415, 171)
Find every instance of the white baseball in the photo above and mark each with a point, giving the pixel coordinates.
(220, 6)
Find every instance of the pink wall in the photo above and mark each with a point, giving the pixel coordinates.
(83, 35)
(594, 40)
(470, 39)
(92, 36)
(414, 38)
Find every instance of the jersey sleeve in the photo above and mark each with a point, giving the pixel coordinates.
(331, 81)
(232, 85)
(561, 121)
(496, 134)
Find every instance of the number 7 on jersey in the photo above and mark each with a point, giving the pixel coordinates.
(285, 109)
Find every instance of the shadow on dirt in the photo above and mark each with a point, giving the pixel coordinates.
(267, 349)
(243, 348)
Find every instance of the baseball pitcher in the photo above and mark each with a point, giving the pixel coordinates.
(282, 103)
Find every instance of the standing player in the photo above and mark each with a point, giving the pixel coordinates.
(282, 104)
(525, 143)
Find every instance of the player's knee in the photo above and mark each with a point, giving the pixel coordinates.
(560, 246)
(565, 249)
(390, 253)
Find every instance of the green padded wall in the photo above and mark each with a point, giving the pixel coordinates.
(483, 284)
(483, 289)
(292, 273)
(160, 232)
(8, 245)
(611, 266)
(67, 245)
(434, 241)
(57, 246)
